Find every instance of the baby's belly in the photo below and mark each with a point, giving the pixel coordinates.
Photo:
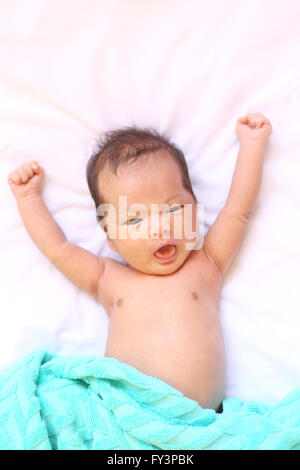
(180, 344)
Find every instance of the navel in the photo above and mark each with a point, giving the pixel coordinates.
(195, 295)
(119, 302)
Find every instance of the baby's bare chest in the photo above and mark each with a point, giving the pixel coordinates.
(161, 299)
(169, 327)
(184, 301)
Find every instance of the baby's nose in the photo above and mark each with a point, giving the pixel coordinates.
(160, 228)
(164, 232)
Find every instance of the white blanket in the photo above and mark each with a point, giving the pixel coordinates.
(72, 69)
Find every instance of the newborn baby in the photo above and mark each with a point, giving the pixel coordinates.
(163, 303)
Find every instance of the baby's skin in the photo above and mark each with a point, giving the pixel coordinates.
(163, 304)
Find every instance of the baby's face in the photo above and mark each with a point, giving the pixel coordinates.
(137, 235)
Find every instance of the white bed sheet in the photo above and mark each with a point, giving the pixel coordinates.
(71, 69)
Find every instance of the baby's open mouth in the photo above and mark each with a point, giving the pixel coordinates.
(166, 252)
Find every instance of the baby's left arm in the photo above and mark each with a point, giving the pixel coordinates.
(224, 237)
(79, 265)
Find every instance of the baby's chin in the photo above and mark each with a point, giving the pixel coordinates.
(159, 269)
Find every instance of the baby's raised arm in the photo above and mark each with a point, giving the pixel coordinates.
(224, 237)
(82, 267)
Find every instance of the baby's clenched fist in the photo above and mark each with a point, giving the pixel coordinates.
(26, 180)
(254, 127)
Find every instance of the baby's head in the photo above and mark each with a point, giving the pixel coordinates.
(140, 180)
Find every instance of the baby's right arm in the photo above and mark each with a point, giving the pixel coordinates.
(225, 235)
(79, 265)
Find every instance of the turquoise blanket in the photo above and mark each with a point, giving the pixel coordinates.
(89, 402)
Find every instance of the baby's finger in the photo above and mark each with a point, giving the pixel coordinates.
(244, 119)
(14, 177)
(266, 121)
(255, 123)
(258, 124)
(35, 166)
(29, 170)
(24, 174)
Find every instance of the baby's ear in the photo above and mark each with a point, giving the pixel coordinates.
(110, 244)
(102, 225)
(109, 241)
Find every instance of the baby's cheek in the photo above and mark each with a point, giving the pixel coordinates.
(134, 249)
(190, 228)
(177, 225)
(137, 232)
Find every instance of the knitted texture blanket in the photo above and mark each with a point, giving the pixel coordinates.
(89, 402)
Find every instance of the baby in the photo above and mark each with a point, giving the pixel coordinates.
(163, 303)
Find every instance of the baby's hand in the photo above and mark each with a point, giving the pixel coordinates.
(253, 128)
(26, 180)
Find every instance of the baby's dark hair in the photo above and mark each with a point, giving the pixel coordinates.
(126, 145)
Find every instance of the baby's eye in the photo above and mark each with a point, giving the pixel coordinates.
(135, 221)
(175, 208)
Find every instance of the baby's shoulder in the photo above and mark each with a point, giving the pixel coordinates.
(112, 273)
(200, 265)
(114, 266)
